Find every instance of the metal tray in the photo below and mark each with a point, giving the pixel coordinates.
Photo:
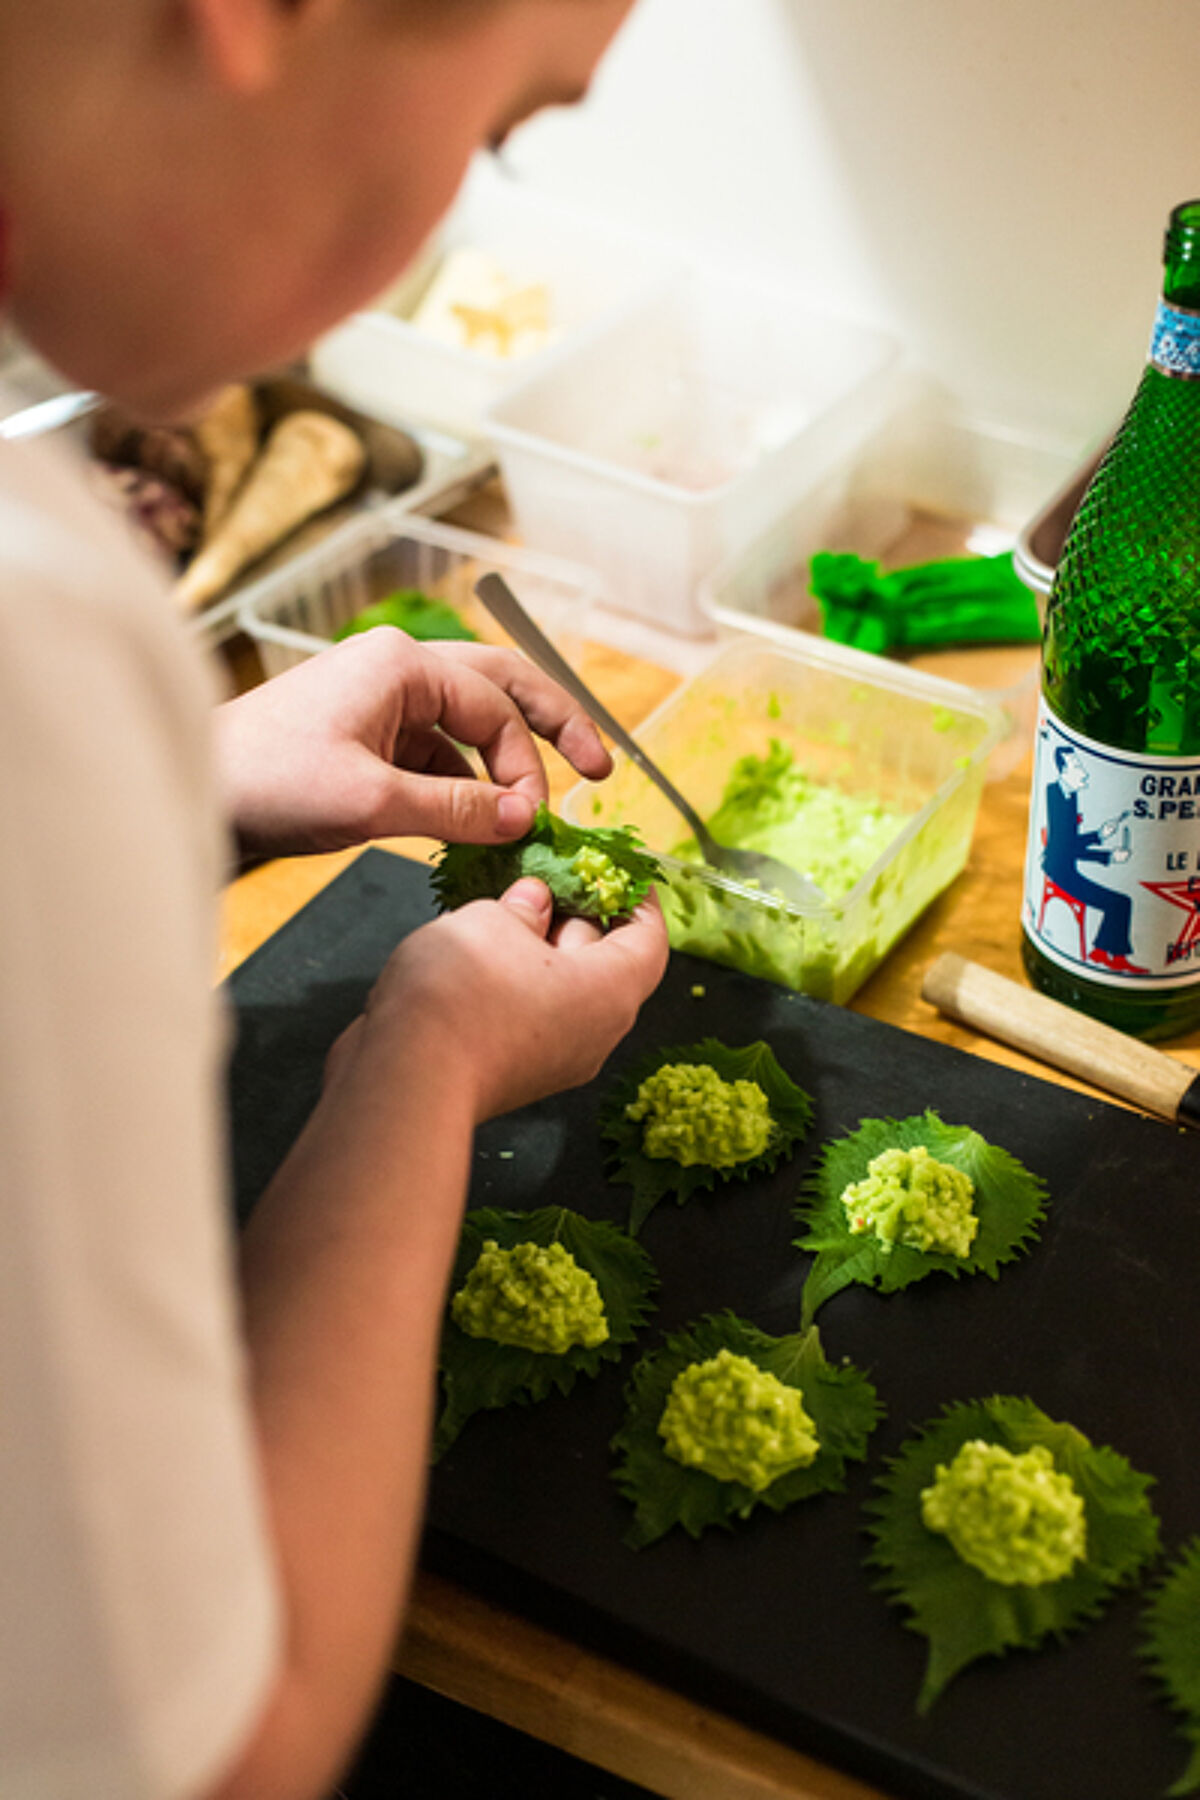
(452, 468)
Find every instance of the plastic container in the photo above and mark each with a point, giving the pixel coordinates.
(766, 590)
(856, 723)
(658, 443)
(380, 360)
(1040, 544)
(297, 612)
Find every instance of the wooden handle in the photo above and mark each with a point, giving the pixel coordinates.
(1057, 1034)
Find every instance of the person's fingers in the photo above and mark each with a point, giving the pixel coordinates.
(431, 753)
(530, 900)
(573, 934)
(448, 807)
(442, 695)
(640, 944)
(550, 710)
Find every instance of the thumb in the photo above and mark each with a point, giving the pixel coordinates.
(530, 900)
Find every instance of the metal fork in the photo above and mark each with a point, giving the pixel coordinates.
(750, 867)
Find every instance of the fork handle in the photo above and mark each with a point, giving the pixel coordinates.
(507, 611)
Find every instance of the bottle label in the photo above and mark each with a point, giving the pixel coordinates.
(1175, 340)
(1112, 866)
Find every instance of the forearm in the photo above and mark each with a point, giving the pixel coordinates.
(345, 1263)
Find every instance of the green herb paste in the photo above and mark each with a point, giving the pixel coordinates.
(736, 1422)
(534, 1296)
(693, 1116)
(604, 880)
(771, 805)
(908, 1197)
(1011, 1515)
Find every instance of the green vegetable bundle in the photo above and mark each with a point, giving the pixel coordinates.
(961, 600)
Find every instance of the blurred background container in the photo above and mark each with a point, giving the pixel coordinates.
(661, 440)
(300, 609)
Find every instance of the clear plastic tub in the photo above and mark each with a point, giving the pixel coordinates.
(297, 612)
(766, 590)
(658, 443)
(384, 362)
(856, 723)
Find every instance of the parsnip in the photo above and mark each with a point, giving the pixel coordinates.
(308, 462)
(228, 437)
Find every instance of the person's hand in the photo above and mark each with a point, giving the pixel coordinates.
(512, 1004)
(362, 741)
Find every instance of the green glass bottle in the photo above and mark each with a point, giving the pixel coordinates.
(1111, 914)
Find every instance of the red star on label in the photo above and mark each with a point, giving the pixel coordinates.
(1186, 895)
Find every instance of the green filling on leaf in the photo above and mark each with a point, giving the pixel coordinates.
(1172, 1650)
(592, 873)
(689, 1114)
(965, 1615)
(653, 1177)
(730, 1418)
(838, 1400)
(1009, 1513)
(478, 1373)
(1008, 1200)
(534, 1296)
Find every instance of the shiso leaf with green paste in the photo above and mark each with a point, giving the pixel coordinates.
(838, 1397)
(1171, 1648)
(1009, 1202)
(478, 1373)
(550, 850)
(654, 1177)
(964, 1614)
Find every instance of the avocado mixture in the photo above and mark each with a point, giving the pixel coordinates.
(1011, 1515)
(736, 1422)
(604, 880)
(771, 805)
(534, 1296)
(693, 1116)
(908, 1197)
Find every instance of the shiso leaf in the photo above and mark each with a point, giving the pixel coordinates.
(477, 1373)
(654, 1177)
(963, 1613)
(1009, 1201)
(484, 871)
(839, 1399)
(1171, 1648)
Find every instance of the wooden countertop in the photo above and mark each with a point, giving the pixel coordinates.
(489, 1659)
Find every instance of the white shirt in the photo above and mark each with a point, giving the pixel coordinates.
(138, 1611)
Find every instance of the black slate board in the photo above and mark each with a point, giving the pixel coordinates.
(777, 1623)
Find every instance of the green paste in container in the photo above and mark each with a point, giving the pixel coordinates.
(772, 805)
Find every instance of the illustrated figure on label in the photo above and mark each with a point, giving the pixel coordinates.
(1067, 845)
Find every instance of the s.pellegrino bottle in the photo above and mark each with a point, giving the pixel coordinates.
(1111, 913)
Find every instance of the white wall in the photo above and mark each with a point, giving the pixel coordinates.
(989, 178)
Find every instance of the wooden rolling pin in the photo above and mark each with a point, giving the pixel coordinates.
(1066, 1039)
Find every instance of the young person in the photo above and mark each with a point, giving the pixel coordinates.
(212, 1456)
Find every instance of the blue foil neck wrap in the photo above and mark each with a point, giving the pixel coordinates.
(1175, 340)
